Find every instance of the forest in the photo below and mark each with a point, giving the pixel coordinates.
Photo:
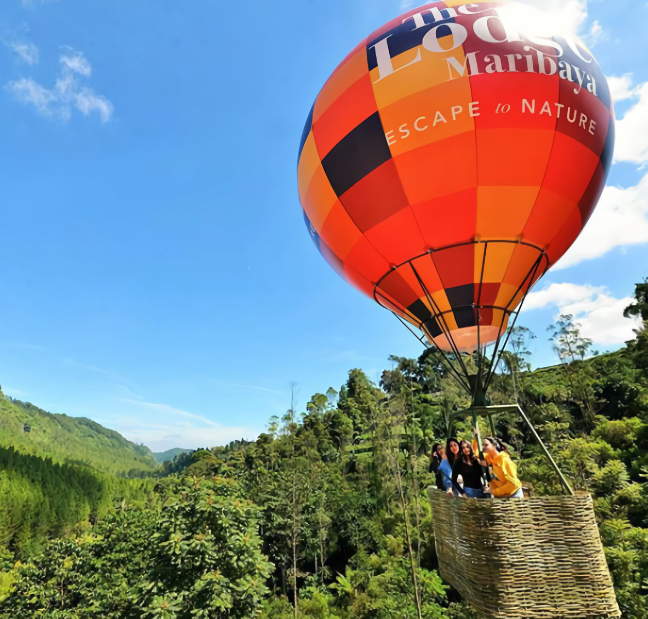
(326, 514)
(65, 439)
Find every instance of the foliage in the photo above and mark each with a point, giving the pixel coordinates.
(639, 307)
(340, 527)
(64, 439)
(169, 454)
(198, 555)
(40, 499)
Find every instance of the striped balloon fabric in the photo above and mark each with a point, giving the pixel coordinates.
(451, 159)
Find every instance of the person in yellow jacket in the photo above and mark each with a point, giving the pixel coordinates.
(507, 485)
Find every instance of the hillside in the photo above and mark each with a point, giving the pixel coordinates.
(339, 490)
(169, 454)
(64, 439)
(326, 515)
(42, 500)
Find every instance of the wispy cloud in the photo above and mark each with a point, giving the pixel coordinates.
(347, 356)
(594, 34)
(338, 356)
(166, 409)
(68, 93)
(254, 388)
(129, 392)
(13, 392)
(114, 379)
(28, 3)
(70, 361)
(24, 51)
(161, 436)
(23, 345)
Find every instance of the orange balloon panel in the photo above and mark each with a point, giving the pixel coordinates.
(451, 159)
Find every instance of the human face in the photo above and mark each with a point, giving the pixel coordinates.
(454, 447)
(488, 447)
(466, 449)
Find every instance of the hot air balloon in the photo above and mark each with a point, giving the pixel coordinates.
(452, 158)
(447, 163)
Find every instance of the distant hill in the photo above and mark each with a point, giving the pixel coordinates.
(64, 439)
(169, 454)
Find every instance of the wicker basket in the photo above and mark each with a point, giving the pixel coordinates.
(538, 558)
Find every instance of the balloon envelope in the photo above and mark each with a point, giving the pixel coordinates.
(451, 158)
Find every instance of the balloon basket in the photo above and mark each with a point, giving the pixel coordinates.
(536, 558)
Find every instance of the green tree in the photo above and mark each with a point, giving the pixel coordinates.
(198, 555)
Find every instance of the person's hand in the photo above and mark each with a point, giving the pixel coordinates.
(487, 490)
(463, 496)
(449, 493)
(483, 462)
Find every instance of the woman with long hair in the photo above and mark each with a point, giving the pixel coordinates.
(452, 450)
(506, 485)
(468, 466)
(445, 472)
(435, 462)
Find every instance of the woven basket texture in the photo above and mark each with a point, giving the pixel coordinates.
(538, 558)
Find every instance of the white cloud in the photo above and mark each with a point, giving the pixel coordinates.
(160, 437)
(595, 30)
(621, 87)
(23, 50)
(558, 295)
(76, 62)
(67, 94)
(632, 129)
(621, 217)
(619, 220)
(600, 315)
(568, 15)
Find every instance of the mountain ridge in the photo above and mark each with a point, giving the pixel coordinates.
(80, 440)
(163, 456)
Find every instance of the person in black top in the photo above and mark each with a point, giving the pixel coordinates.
(468, 466)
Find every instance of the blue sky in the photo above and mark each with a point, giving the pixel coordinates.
(157, 274)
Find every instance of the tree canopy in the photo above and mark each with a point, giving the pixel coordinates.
(326, 515)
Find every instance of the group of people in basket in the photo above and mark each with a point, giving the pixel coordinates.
(457, 459)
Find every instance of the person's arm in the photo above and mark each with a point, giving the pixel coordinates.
(510, 483)
(444, 468)
(475, 447)
(455, 477)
